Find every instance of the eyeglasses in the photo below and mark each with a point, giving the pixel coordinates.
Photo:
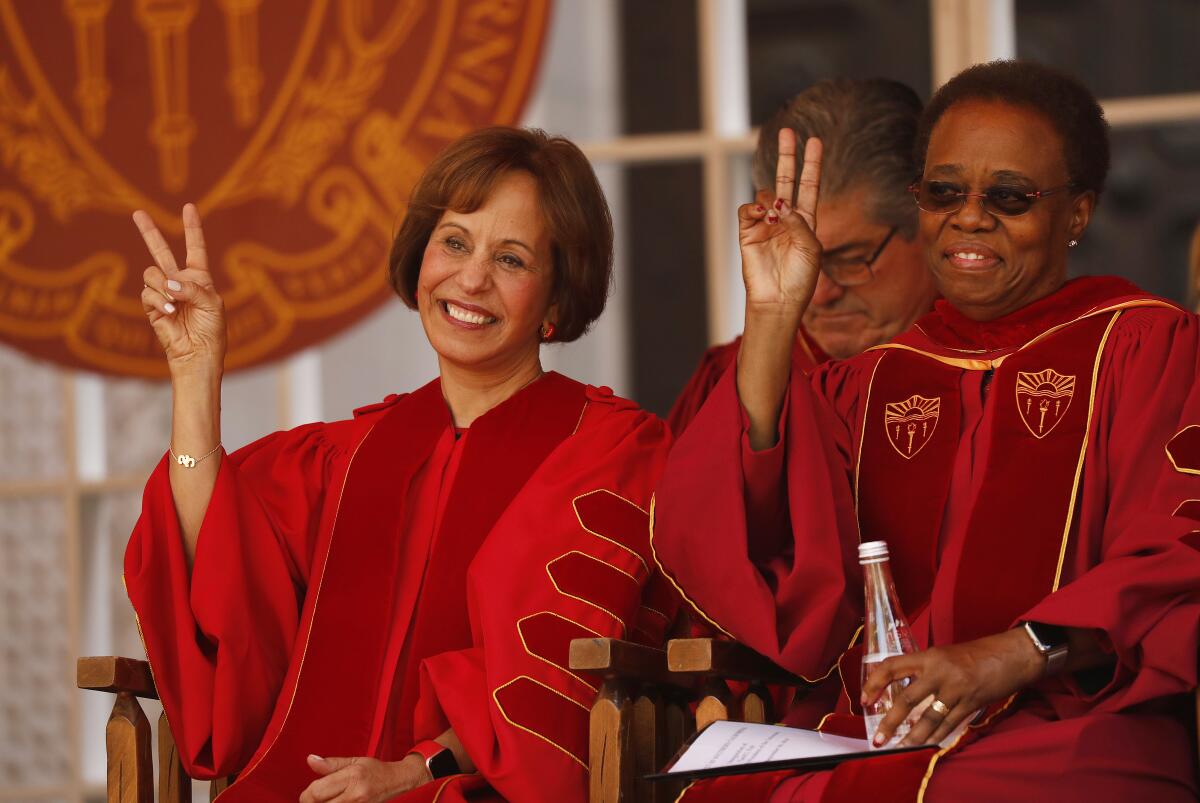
(854, 272)
(945, 198)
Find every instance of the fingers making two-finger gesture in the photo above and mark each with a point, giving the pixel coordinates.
(182, 305)
(780, 252)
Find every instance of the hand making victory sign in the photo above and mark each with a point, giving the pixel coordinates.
(781, 259)
(781, 255)
(182, 305)
(188, 317)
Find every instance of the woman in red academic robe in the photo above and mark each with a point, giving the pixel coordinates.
(1029, 451)
(382, 606)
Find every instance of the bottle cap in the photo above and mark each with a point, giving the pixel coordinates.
(872, 551)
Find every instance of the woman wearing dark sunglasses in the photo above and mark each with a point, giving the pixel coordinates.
(1030, 451)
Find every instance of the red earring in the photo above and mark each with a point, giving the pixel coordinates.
(547, 332)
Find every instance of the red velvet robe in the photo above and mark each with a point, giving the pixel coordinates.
(806, 356)
(362, 585)
(1105, 537)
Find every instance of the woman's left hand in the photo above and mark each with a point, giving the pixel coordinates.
(363, 780)
(964, 677)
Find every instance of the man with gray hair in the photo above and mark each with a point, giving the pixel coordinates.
(874, 282)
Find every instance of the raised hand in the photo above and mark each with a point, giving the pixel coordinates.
(182, 306)
(781, 256)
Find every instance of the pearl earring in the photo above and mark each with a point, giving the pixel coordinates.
(1072, 243)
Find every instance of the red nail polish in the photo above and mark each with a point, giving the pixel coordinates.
(779, 203)
(758, 208)
(772, 218)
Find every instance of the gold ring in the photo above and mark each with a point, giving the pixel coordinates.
(942, 709)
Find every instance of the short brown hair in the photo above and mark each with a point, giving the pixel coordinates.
(577, 217)
(868, 128)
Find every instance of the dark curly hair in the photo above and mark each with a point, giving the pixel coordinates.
(581, 234)
(1067, 104)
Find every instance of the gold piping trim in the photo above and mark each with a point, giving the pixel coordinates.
(1181, 504)
(663, 570)
(438, 795)
(508, 719)
(987, 365)
(579, 423)
(958, 362)
(862, 438)
(579, 518)
(934, 760)
(684, 792)
(827, 716)
(841, 676)
(1087, 430)
(666, 618)
(1171, 457)
(533, 654)
(595, 605)
(316, 600)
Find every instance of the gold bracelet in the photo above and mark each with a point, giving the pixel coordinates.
(187, 461)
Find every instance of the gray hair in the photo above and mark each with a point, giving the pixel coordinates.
(868, 129)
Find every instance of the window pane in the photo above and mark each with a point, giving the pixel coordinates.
(35, 653)
(662, 242)
(31, 422)
(793, 43)
(137, 424)
(612, 68)
(1116, 47)
(1150, 208)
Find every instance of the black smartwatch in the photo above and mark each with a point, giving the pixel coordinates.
(1050, 641)
(439, 759)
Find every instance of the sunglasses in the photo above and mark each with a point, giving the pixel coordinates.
(945, 198)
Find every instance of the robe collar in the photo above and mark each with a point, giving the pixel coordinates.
(948, 327)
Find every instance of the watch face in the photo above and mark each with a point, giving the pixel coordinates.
(443, 764)
(1050, 636)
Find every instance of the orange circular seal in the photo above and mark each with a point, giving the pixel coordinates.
(298, 128)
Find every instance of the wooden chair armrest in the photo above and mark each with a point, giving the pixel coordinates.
(726, 659)
(612, 657)
(114, 674)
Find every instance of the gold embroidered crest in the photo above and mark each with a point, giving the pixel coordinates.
(298, 128)
(910, 423)
(1043, 399)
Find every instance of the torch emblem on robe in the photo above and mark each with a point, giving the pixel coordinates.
(1042, 399)
(910, 423)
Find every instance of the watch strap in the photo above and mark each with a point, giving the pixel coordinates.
(439, 759)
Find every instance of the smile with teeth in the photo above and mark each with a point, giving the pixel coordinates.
(968, 255)
(466, 316)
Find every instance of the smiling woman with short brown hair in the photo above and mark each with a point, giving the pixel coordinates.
(370, 609)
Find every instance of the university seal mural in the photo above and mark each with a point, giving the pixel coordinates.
(297, 127)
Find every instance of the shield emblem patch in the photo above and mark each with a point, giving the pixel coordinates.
(1043, 399)
(910, 424)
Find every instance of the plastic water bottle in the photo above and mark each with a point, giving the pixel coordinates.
(885, 632)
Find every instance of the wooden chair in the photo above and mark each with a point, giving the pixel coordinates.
(650, 701)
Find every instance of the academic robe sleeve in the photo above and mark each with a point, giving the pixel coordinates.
(696, 391)
(219, 637)
(569, 558)
(722, 509)
(1136, 583)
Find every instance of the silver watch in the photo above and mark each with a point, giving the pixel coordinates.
(1052, 647)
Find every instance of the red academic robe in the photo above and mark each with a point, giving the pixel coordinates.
(1041, 467)
(806, 356)
(362, 585)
